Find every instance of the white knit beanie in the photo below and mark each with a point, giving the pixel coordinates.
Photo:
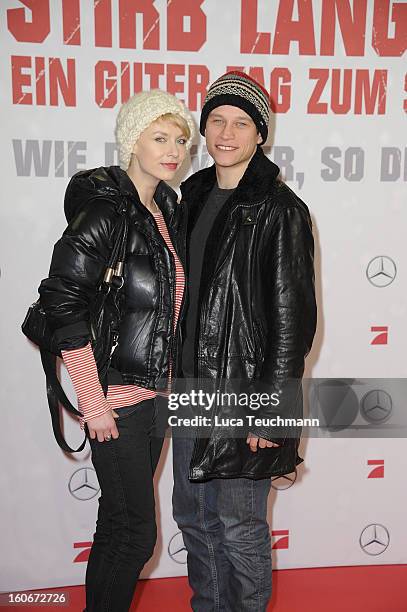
(139, 112)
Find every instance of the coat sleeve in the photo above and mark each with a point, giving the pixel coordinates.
(78, 262)
(288, 277)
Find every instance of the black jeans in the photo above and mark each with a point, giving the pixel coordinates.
(126, 530)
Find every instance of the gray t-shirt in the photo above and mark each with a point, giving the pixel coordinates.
(197, 243)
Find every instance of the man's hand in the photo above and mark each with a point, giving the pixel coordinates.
(254, 442)
(103, 427)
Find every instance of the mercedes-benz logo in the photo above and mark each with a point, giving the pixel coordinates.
(374, 539)
(83, 484)
(280, 483)
(177, 550)
(376, 406)
(381, 271)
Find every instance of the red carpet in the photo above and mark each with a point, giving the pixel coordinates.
(341, 589)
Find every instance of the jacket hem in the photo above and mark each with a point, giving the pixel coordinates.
(249, 475)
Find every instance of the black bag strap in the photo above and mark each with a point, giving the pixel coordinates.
(114, 256)
(56, 395)
(116, 259)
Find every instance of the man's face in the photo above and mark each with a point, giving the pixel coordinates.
(231, 136)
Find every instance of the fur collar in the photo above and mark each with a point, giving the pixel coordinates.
(253, 187)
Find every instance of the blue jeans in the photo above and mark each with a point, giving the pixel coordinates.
(126, 530)
(225, 532)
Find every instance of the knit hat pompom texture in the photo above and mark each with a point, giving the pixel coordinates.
(139, 112)
(239, 89)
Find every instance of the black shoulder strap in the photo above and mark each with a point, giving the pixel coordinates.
(56, 395)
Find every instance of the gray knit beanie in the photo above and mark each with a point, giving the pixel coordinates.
(139, 112)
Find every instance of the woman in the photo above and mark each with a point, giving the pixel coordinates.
(154, 131)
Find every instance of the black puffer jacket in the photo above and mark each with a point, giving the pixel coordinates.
(257, 311)
(93, 203)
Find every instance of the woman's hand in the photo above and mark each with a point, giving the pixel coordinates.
(103, 427)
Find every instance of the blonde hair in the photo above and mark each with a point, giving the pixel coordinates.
(179, 121)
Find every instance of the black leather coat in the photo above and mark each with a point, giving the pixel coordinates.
(257, 311)
(93, 203)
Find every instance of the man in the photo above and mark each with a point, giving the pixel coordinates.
(249, 317)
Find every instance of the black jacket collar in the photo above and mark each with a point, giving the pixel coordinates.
(254, 186)
(114, 182)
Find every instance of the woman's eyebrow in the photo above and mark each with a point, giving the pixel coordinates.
(162, 133)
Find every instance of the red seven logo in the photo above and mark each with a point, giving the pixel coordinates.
(84, 554)
(282, 542)
(377, 472)
(381, 338)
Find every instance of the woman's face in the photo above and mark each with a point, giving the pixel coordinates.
(159, 151)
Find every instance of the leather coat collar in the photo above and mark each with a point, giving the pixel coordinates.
(254, 186)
